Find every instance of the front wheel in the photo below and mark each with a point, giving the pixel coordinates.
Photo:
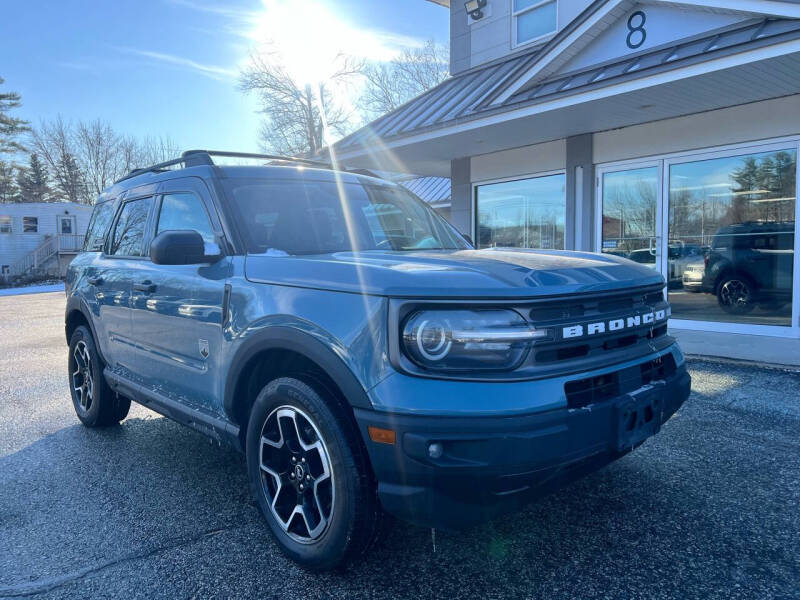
(95, 403)
(310, 475)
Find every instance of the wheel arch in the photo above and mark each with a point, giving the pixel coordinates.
(282, 351)
(77, 314)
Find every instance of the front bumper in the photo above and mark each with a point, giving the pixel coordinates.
(492, 465)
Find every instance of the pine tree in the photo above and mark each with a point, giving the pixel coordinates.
(33, 181)
(69, 178)
(8, 187)
(10, 128)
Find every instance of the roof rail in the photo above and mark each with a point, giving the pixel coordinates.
(193, 158)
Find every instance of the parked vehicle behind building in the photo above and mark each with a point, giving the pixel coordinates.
(358, 349)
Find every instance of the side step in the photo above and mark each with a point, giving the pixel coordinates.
(217, 429)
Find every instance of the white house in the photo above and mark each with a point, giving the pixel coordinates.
(40, 238)
(664, 131)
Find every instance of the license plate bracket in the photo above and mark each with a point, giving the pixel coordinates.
(639, 416)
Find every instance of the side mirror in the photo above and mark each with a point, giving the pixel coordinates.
(179, 247)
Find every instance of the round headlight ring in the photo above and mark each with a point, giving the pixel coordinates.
(433, 340)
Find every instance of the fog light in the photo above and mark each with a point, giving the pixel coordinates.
(435, 450)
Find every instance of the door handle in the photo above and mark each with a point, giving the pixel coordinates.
(147, 286)
(94, 280)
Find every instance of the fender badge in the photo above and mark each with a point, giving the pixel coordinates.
(203, 345)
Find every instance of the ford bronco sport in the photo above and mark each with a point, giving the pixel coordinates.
(359, 351)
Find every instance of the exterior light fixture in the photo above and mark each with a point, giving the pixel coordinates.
(475, 8)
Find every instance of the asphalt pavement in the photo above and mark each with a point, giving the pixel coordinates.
(707, 509)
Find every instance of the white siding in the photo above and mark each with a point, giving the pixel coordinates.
(491, 37)
(745, 123)
(17, 244)
(528, 160)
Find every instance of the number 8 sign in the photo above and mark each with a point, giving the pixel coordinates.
(636, 33)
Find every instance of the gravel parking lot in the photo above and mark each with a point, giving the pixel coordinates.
(707, 509)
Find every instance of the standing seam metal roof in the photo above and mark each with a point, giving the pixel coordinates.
(470, 94)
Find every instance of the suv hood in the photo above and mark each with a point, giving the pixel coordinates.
(491, 273)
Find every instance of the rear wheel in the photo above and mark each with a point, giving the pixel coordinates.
(735, 295)
(310, 475)
(96, 404)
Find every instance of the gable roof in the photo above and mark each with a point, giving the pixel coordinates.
(601, 14)
(487, 89)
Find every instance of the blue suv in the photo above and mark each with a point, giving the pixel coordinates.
(357, 348)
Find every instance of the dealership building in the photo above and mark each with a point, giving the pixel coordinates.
(665, 132)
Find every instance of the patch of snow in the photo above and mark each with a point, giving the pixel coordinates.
(32, 289)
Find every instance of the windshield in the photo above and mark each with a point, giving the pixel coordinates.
(312, 217)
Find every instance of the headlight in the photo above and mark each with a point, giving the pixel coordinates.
(468, 340)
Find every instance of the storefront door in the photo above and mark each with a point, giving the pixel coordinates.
(630, 208)
(720, 226)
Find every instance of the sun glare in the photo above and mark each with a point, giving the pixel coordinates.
(310, 38)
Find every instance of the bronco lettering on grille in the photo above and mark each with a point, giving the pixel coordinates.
(650, 318)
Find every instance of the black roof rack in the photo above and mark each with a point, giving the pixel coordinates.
(193, 158)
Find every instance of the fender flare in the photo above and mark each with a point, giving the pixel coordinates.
(76, 304)
(294, 340)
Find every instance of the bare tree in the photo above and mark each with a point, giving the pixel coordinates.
(97, 146)
(388, 85)
(54, 142)
(85, 158)
(296, 114)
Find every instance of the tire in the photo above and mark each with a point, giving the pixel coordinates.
(736, 294)
(296, 433)
(95, 403)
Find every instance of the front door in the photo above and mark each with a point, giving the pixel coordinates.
(68, 239)
(630, 208)
(177, 309)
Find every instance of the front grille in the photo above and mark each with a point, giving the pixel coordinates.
(568, 312)
(591, 390)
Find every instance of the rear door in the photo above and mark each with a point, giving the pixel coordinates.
(177, 309)
(121, 263)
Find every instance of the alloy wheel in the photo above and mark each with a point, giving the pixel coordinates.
(296, 474)
(735, 293)
(83, 376)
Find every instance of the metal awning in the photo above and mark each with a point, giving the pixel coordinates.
(433, 190)
(747, 62)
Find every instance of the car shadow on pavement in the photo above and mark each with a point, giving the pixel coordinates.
(154, 506)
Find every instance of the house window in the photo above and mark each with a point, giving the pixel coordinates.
(5, 224)
(525, 213)
(534, 19)
(30, 224)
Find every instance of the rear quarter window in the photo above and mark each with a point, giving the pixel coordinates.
(102, 216)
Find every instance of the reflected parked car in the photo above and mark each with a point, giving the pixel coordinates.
(749, 265)
(693, 272)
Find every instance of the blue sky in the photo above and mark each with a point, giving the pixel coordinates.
(169, 67)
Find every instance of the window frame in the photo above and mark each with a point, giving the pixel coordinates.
(10, 224)
(515, 14)
(146, 233)
(473, 226)
(24, 226)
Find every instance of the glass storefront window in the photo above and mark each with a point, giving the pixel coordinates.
(629, 214)
(731, 238)
(525, 213)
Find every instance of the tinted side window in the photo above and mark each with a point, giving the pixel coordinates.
(98, 227)
(128, 239)
(184, 211)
